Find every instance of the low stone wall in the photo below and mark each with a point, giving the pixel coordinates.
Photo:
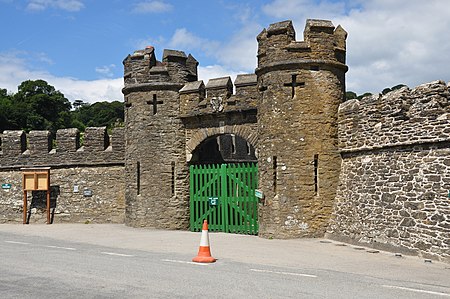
(395, 175)
(397, 198)
(97, 167)
(69, 201)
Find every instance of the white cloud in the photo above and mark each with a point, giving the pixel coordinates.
(216, 71)
(89, 91)
(106, 70)
(393, 42)
(304, 9)
(389, 42)
(183, 39)
(238, 53)
(152, 7)
(68, 5)
(143, 43)
(14, 70)
(237, 56)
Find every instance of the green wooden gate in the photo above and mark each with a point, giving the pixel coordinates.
(225, 196)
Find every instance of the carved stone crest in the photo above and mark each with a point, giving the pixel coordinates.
(217, 104)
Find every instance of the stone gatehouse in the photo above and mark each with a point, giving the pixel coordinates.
(375, 170)
(284, 117)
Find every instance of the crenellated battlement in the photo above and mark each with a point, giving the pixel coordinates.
(142, 71)
(36, 148)
(217, 96)
(323, 46)
(398, 118)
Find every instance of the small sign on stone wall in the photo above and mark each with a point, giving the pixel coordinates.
(87, 192)
(259, 194)
(6, 186)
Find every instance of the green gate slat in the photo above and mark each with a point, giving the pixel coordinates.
(192, 215)
(224, 197)
(234, 185)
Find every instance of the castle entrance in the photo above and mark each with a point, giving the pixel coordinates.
(223, 179)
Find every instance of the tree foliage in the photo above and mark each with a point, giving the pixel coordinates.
(366, 94)
(352, 95)
(5, 109)
(349, 95)
(99, 114)
(39, 106)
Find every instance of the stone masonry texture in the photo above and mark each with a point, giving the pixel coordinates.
(155, 164)
(74, 169)
(395, 177)
(302, 85)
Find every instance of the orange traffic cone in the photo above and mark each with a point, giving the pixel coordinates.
(204, 253)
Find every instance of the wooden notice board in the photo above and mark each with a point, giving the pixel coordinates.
(35, 179)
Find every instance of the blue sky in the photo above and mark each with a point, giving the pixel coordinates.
(78, 45)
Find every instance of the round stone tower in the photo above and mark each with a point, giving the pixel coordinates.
(301, 85)
(155, 159)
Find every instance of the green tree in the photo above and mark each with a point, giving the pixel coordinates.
(38, 106)
(366, 94)
(397, 86)
(386, 90)
(77, 104)
(349, 95)
(99, 114)
(5, 110)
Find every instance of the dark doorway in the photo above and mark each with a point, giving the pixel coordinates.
(226, 148)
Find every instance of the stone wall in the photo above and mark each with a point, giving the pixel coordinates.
(105, 205)
(395, 175)
(156, 171)
(168, 114)
(301, 85)
(215, 110)
(97, 167)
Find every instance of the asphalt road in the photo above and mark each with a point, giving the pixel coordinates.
(44, 267)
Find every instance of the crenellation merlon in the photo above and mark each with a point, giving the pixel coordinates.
(243, 80)
(323, 44)
(196, 98)
(40, 142)
(192, 65)
(68, 140)
(314, 26)
(174, 56)
(137, 65)
(177, 64)
(324, 40)
(219, 87)
(142, 70)
(340, 37)
(95, 139)
(14, 143)
(117, 139)
(195, 86)
(246, 88)
(282, 28)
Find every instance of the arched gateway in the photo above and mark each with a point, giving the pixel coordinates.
(280, 120)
